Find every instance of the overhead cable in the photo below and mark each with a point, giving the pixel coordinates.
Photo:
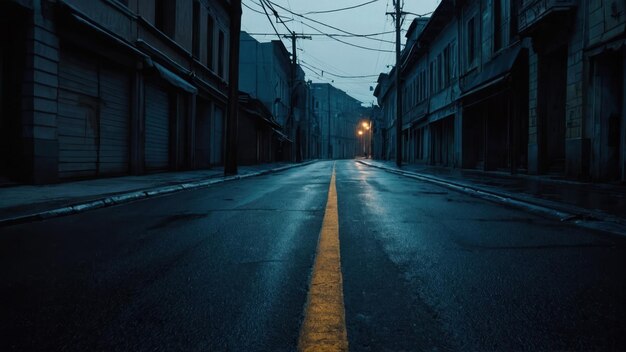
(302, 62)
(332, 34)
(326, 25)
(278, 18)
(251, 9)
(341, 9)
(270, 19)
(347, 43)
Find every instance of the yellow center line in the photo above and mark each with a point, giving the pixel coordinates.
(324, 326)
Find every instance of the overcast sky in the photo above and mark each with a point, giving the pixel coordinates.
(326, 54)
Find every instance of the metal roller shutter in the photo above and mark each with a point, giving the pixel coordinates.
(218, 137)
(77, 117)
(157, 129)
(114, 122)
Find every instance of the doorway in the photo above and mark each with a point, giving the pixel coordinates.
(12, 53)
(608, 110)
(551, 110)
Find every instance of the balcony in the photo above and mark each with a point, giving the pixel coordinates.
(535, 13)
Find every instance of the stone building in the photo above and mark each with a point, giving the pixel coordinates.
(577, 112)
(494, 90)
(96, 88)
(529, 86)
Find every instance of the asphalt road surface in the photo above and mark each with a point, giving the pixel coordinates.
(227, 268)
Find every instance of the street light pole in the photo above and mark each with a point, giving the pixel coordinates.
(361, 141)
(297, 148)
(369, 147)
(398, 89)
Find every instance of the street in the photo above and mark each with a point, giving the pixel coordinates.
(228, 267)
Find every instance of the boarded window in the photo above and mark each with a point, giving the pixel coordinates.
(220, 55)
(497, 25)
(471, 41)
(196, 30)
(165, 16)
(209, 42)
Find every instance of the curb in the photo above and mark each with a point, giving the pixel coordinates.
(136, 195)
(580, 217)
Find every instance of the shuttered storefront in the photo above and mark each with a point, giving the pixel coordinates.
(114, 122)
(157, 127)
(217, 150)
(93, 118)
(77, 117)
(203, 133)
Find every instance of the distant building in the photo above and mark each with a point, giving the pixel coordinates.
(266, 74)
(339, 116)
(385, 93)
(532, 86)
(100, 87)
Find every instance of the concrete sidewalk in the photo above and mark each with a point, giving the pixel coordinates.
(25, 203)
(592, 205)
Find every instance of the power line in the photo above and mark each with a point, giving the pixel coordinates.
(302, 62)
(278, 18)
(251, 9)
(270, 19)
(333, 34)
(347, 43)
(324, 63)
(380, 44)
(341, 9)
(417, 14)
(326, 25)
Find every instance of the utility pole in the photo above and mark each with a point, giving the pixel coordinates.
(398, 89)
(294, 69)
(398, 17)
(329, 151)
(230, 162)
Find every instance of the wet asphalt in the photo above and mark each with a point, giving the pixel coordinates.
(226, 268)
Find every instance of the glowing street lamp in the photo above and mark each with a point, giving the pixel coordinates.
(367, 125)
(360, 133)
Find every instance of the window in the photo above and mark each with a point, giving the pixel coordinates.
(471, 41)
(513, 19)
(497, 25)
(405, 101)
(220, 55)
(432, 76)
(422, 85)
(209, 42)
(452, 52)
(195, 50)
(446, 66)
(440, 80)
(165, 16)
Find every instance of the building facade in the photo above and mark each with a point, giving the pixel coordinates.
(102, 87)
(338, 117)
(385, 93)
(257, 133)
(528, 86)
(265, 74)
